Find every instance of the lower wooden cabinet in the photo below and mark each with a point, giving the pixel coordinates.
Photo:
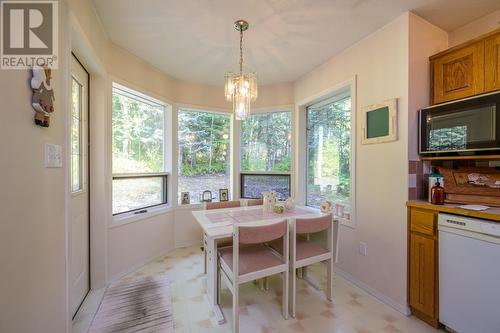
(423, 265)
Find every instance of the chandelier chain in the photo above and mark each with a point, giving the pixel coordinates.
(241, 52)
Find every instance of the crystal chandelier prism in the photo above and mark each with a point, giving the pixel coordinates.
(240, 88)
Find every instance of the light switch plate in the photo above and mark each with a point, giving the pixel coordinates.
(53, 156)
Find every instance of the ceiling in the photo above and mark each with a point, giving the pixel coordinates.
(194, 40)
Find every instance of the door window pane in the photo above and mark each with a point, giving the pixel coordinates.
(204, 153)
(76, 139)
(329, 152)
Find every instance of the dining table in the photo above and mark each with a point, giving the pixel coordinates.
(217, 226)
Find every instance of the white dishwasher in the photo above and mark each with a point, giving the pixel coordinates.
(469, 274)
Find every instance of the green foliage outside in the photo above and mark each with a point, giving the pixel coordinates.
(329, 151)
(138, 135)
(265, 142)
(204, 139)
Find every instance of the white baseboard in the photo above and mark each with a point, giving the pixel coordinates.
(188, 244)
(135, 267)
(404, 309)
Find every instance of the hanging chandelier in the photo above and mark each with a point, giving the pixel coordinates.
(240, 88)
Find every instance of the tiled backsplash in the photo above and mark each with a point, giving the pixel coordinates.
(415, 180)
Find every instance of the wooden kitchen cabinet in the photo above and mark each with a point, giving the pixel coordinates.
(492, 63)
(466, 70)
(458, 74)
(423, 265)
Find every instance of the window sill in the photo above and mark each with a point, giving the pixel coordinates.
(131, 217)
(189, 206)
(342, 221)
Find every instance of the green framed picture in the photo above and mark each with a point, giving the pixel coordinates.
(379, 122)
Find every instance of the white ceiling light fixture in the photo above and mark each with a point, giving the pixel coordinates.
(240, 88)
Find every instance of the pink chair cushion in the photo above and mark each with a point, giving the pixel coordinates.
(252, 258)
(304, 248)
(255, 202)
(223, 204)
(312, 225)
(262, 234)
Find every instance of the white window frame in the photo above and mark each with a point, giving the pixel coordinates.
(185, 107)
(241, 173)
(300, 183)
(144, 212)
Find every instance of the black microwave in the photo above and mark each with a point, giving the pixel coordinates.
(466, 127)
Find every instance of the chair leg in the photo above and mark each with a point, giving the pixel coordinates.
(261, 284)
(286, 291)
(293, 287)
(329, 279)
(266, 284)
(205, 261)
(218, 283)
(236, 309)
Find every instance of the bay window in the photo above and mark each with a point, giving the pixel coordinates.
(138, 143)
(329, 151)
(265, 154)
(204, 153)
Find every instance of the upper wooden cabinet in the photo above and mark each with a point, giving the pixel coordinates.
(492, 63)
(466, 70)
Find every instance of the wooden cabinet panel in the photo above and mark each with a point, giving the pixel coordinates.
(423, 221)
(492, 63)
(422, 270)
(458, 74)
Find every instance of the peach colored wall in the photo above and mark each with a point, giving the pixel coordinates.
(32, 206)
(380, 63)
(386, 65)
(129, 68)
(425, 40)
(475, 28)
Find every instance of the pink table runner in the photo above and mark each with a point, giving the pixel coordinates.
(253, 215)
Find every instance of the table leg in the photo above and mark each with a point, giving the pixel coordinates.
(212, 280)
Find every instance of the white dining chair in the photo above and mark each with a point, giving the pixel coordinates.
(250, 259)
(305, 252)
(221, 242)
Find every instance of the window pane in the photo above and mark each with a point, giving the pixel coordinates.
(265, 142)
(76, 164)
(138, 137)
(204, 153)
(134, 193)
(253, 186)
(138, 134)
(329, 152)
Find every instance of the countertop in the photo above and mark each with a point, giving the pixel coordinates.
(492, 214)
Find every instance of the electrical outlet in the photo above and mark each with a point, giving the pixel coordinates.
(363, 248)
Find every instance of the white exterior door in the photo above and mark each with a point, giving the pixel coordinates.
(79, 187)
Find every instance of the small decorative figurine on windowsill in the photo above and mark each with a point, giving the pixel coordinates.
(269, 201)
(185, 199)
(206, 196)
(325, 206)
(43, 95)
(223, 194)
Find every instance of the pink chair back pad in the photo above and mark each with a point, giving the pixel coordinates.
(262, 234)
(223, 204)
(255, 202)
(312, 225)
